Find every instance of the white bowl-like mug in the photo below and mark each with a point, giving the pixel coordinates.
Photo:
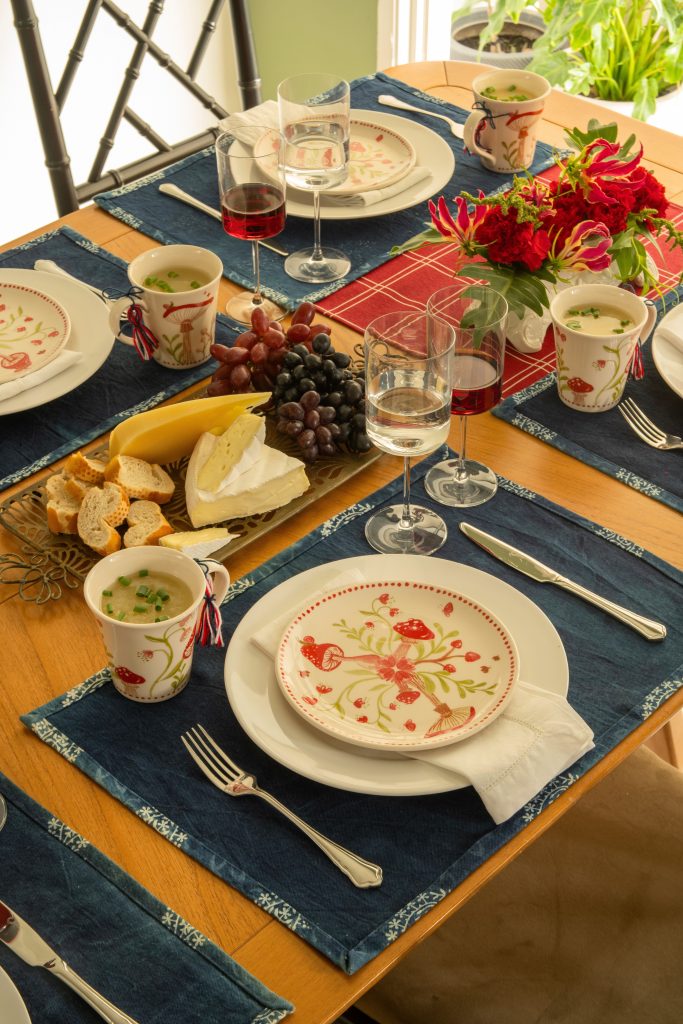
(150, 662)
(592, 369)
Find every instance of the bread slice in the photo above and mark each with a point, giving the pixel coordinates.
(79, 465)
(199, 543)
(102, 509)
(146, 524)
(64, 497)
(140, 479)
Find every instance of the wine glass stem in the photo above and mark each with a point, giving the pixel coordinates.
(460, 468)
(317, 254)
(406, 522)
(258, 298)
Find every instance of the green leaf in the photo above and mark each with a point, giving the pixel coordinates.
(428, 235)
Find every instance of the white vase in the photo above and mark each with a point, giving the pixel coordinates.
(527, 334)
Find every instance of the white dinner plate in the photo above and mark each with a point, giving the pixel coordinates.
(90, 334)
(397, 665)
(430, 151)
(11, 1004)
(267, 718)
(34, 328)
(667, 358)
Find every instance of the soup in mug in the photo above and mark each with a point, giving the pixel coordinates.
(175, 279)
(145, 596)
(505, 93)
(598, 321)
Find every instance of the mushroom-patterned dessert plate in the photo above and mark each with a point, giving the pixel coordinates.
(397, 665)
(378, 156)
(34, 328)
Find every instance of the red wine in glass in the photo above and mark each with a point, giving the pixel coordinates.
(253, 211)
(477, 383)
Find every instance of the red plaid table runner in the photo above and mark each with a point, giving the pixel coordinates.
(407, 281)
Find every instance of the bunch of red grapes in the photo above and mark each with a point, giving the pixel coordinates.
(318, 397)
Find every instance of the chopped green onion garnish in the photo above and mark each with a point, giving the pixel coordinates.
(107, 593)
(143, 572)
(142, 591)
(124, 581)
(121, 616)
(162, 592)
(165, 597)
(110, 609)
(195, 284)
(139, 608)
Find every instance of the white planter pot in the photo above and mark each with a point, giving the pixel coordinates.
(668, 115)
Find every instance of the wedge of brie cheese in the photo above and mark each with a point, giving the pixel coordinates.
(262, 479)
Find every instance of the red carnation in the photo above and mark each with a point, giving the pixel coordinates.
(510, 242)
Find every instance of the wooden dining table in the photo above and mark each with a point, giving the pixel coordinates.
(48, 648)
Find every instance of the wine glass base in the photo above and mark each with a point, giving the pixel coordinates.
(384, 534)
(477, 486)
(302, 267)
(241, 306)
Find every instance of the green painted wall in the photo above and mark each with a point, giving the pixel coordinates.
(293, 37)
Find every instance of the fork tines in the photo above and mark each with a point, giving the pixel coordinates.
(640, 424)
(209, 757)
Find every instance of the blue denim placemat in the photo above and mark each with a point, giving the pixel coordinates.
(604, 440)
(136, 951)
(426, 845)
(123, 385)
(367, 242)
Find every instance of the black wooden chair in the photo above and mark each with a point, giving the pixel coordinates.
(48, 102)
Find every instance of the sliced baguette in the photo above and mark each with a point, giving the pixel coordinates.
(79, 465)
(140, 479)
(146, 524)
(102, 509)
(64, 497)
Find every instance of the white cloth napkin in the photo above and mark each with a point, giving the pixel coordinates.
(65, 359)
(672, 337)
(377, 195)
(536, 737)
(265, 115)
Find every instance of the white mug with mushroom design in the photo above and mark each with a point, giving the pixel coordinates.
(150, 655)
(597, 328)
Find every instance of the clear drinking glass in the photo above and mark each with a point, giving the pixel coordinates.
(314, 120)
(477, 314)
(251, 184)
(408, 395)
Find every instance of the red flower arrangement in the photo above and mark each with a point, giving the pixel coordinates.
(596, 215)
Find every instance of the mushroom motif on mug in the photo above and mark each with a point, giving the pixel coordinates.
(579, 389)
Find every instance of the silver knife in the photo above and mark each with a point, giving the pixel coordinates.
(169, 189)
(28, 945)
(517, 559)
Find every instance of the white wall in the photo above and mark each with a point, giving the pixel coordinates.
(26, 200)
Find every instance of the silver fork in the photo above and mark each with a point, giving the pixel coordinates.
(387, 100)
(646, 430)
(230, 779)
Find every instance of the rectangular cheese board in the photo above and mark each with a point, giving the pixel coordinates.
(50, 562)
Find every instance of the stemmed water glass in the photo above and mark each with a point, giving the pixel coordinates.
(252, 192)
(477, 314)
(408, 392)
(314, 120)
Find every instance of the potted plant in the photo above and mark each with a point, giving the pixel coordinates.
(500, 33)
(612, 50)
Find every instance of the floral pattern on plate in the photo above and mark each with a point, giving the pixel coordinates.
(397, 665)
(33, 330)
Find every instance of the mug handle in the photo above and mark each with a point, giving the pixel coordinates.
(117, 309)
(221, 578)
(650, 322)
(469, 132)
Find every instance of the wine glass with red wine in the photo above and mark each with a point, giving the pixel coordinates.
(252, 191)
(478, 314)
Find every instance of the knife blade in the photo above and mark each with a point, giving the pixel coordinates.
(34, 950)
(519, 560)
